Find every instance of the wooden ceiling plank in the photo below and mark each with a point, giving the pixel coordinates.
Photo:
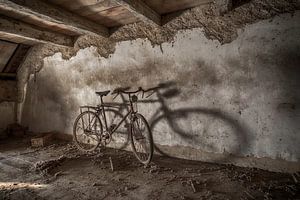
(165, 7)
(8, 76)
(110, 17)
(77, 4)
(17, 31)
(59, 2)
(113, 12)
(140, 10)
(42, 12)
(93, 9)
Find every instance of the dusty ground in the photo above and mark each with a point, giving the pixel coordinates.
(59, 171)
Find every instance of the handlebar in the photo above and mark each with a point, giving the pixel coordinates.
(140, 89)
(118, 91)
(131, 92)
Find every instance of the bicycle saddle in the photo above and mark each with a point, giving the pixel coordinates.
(104, 93)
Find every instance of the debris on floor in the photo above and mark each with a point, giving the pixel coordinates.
(111, 164)
(60, 171)
(45, 166)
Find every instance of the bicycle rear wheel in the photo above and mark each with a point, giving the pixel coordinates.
(87, 131)
(141, 139)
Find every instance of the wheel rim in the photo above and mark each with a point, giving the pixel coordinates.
(141, 140)
(87, 131)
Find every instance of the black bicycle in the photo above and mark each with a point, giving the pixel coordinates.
(89, 133)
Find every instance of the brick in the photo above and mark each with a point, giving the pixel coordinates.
(42, 141)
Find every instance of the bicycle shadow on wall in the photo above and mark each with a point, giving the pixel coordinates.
(195, 127)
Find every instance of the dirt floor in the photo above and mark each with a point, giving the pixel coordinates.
(60, 171)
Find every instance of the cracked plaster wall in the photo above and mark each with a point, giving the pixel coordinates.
(239, 98)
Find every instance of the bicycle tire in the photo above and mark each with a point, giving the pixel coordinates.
(134, 137)
(95, 128)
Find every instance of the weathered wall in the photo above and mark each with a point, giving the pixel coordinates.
(7, 115)
(8, 90)
(8, 96)
(228, 101)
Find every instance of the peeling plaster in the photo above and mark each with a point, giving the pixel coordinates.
(223, 28)
(236, 98)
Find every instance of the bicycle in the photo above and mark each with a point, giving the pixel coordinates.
(89, 124)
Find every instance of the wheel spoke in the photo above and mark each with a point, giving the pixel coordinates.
(87, 128)
(95, 121)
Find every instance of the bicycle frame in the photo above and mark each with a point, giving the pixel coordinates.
(105, 105)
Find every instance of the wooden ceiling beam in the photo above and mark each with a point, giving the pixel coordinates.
(16, 59)
(43, 14)
(20, 32)
(140, 10)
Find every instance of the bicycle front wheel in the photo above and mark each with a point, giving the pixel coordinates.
(87, 131)
(141, 139)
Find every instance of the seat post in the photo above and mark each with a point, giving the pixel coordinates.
(101, 97)
(103, 112)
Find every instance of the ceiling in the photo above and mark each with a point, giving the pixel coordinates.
(105, 12)
(111, 14)
(24, 23)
